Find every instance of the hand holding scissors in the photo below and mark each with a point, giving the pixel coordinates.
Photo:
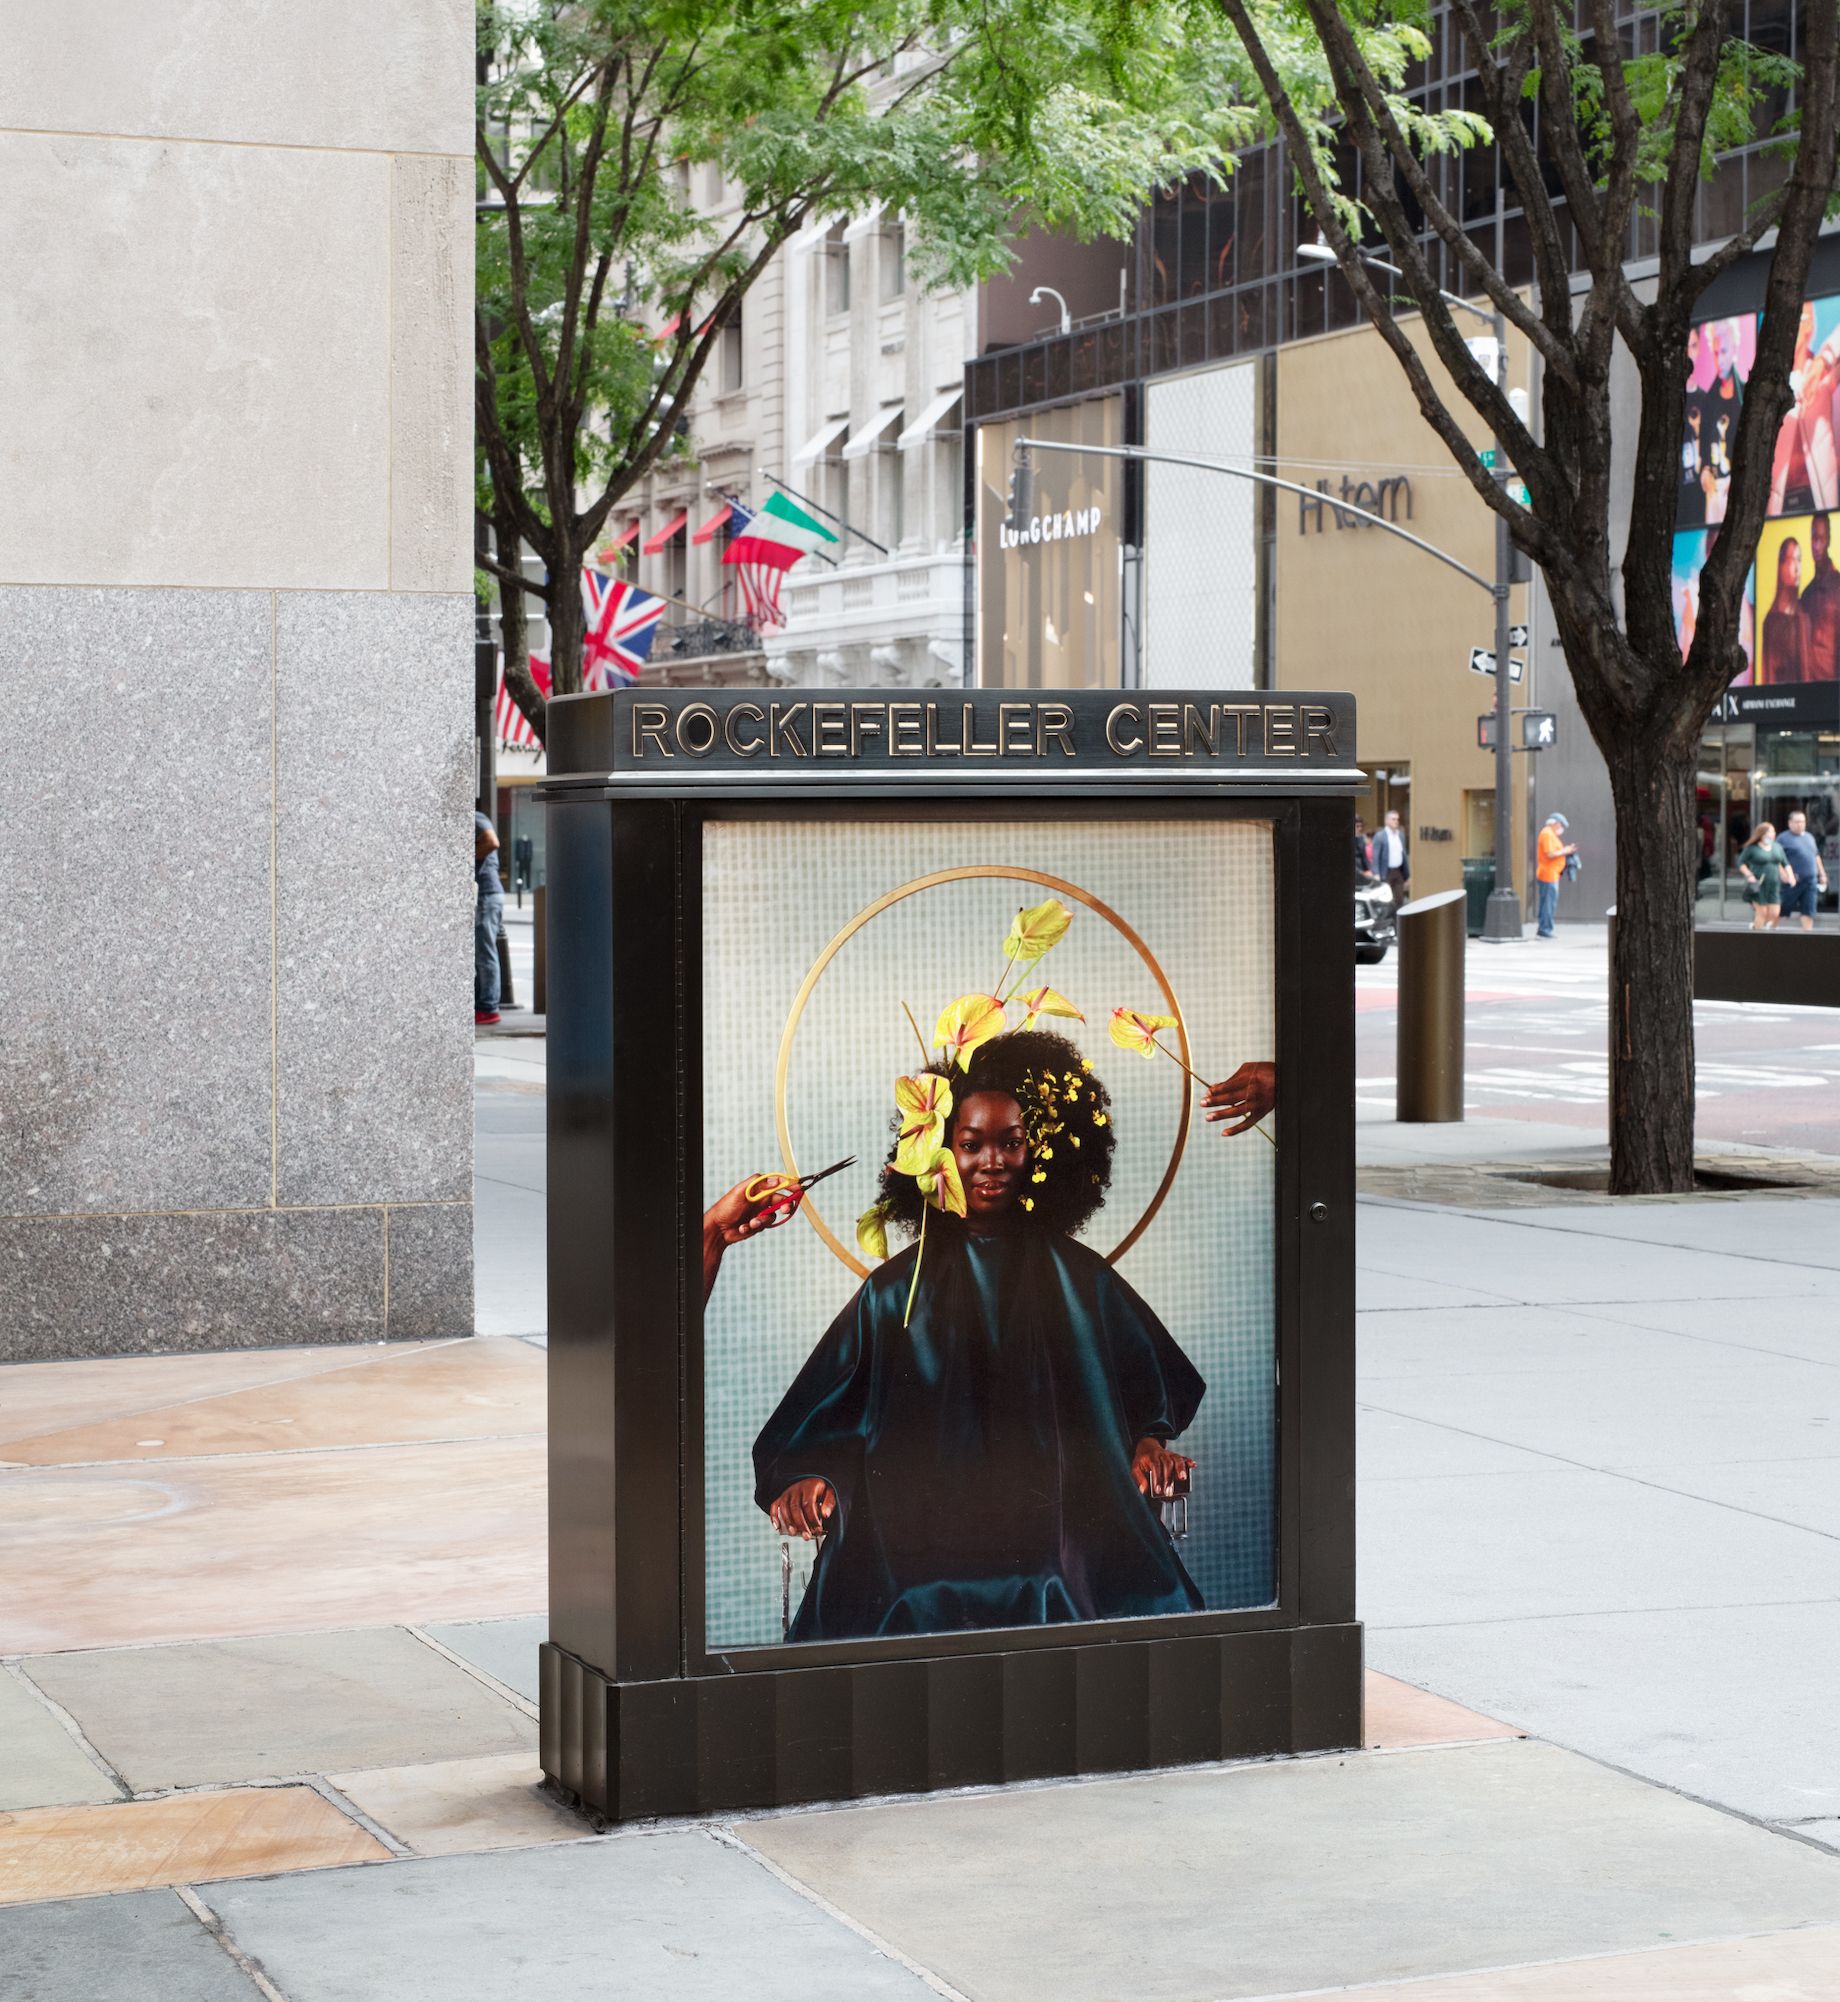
(779, 1195)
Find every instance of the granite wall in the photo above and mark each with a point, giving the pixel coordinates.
(236, 648)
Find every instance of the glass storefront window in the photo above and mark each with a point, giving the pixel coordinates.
(1049, 588)
(1747, 775)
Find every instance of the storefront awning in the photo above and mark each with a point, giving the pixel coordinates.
(708, 530)
(821, 441)
(861, 443)
(612, 547)
(929, 420)
(653, 544)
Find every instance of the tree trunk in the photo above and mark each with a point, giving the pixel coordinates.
(1651, 973)
(514, 626)
(567, 625)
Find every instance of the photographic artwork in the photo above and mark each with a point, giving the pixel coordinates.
(989, 1146)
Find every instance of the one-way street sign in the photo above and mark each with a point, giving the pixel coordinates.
(1482, 661)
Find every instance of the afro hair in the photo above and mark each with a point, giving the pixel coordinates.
(1066, 1113)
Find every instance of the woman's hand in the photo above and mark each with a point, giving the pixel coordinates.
(1246, 1097)
(1159, 1473)
(805, 1509)
(733, 1217)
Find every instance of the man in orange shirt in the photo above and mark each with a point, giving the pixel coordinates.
(1554, 848)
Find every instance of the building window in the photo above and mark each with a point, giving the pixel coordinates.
(894, 261)
(836, 271)
(733, 370)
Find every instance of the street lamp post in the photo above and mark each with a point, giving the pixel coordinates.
(1502, 920)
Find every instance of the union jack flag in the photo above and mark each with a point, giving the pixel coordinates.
(622, 622)
(514, 731)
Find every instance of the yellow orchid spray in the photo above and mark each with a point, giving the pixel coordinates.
(1137, 1030)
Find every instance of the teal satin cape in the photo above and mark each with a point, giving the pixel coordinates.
(981, 1455)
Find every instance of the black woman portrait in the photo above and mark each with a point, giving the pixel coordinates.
(983, 1436)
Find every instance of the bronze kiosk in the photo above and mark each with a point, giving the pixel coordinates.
(1046, 1313)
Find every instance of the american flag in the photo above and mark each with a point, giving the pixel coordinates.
(622, 622)
(514, 731)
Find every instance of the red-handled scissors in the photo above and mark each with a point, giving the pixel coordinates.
(781, 1195)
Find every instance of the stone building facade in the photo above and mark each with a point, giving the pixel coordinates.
(236, 636)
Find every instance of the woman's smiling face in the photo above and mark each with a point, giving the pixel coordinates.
(992, 1151)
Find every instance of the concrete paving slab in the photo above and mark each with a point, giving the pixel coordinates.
(1733, 1704)
(1379, 1292)
(1782, 1967)
(275, 1542)
(1827, 1833)
(1524, 1545)
(1804, 1230)
(41, 1764)
(1391, 1448)
(455, 1806)
(221, 1711)
(1806, 1492)
(40, 1397)
(180, 1838)
(436, 1390)
(80, 1949)
(511, 1272)
(1468, 1341)
(505, 1649)
(631, 1918)
(1266, 1880)
(1715, 1406)
(1395, 1715)
(1520, 1263)
(1736, 1320)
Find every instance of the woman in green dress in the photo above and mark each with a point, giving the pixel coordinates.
(1765, 869)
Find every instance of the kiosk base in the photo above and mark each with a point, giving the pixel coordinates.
(640, 1750)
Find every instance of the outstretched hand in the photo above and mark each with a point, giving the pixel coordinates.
(805, 1509)
(733, 1216)
(1159, 1473)
(1246, 1097)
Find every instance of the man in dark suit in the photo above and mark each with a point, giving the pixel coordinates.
(1391, 859)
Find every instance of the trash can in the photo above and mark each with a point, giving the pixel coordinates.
(1478, 888)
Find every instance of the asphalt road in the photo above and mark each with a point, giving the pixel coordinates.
(1537, 1029)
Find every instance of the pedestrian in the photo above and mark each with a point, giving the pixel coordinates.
(1765, 869)
(1363, 854)
(1555, 850)
(488, 915)
(1808, 878)
(1391, 859)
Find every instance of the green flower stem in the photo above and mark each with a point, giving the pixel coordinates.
(926, 1055)
(913, 1285)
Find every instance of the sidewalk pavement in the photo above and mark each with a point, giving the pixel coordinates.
(266, 1717)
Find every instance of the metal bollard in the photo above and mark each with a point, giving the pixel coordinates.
(1429, 1083)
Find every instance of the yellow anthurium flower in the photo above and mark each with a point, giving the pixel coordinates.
(922, 1101)
(1037, 930)
(940, 1185)
(1134, 1030)
(913, 1154)
(872, 1231)
(970, 1021)
(1045, 1001)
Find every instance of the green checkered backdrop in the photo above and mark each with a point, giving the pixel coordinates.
(1199, 894)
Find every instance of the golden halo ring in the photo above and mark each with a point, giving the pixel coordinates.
(808, 1208)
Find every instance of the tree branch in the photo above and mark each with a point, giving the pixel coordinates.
(1529, 531)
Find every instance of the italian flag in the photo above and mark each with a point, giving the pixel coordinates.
(765, 546)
